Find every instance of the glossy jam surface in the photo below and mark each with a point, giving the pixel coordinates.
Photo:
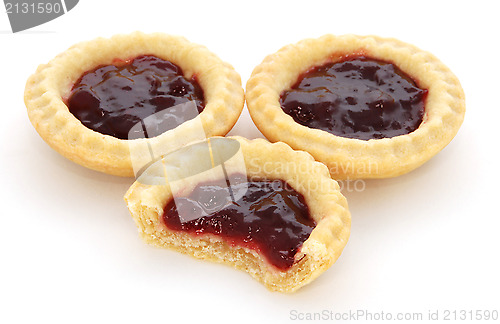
(111, 99)
(358, 97)
(269, 217)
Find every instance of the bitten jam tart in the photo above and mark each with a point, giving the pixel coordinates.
(367, 107)
(98, 100)
(283, 219)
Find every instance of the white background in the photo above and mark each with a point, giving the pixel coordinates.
(428, 240)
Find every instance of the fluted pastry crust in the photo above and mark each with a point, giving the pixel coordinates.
(263, 160)
(51, 84)
(354, 158)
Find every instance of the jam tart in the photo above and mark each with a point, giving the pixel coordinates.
(366, 106)
(105, 102)
(283, 219)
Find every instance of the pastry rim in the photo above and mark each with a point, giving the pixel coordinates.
(328, 207)
(349, 158)
(50, 85)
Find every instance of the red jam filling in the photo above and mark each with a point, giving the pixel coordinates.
(270, 217)
(358, 97)
(111, 99)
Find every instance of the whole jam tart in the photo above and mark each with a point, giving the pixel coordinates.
(367, 107)
(284, 221)
(108, 103)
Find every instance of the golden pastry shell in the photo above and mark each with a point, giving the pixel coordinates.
(51, 84)
(263, 160)
(353, 158)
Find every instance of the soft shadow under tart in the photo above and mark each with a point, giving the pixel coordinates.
(169, 69)
(366, 106)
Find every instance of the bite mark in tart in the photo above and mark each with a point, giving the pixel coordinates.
(288, 223)
(270, 217)
(367, 107)
(144, 77)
